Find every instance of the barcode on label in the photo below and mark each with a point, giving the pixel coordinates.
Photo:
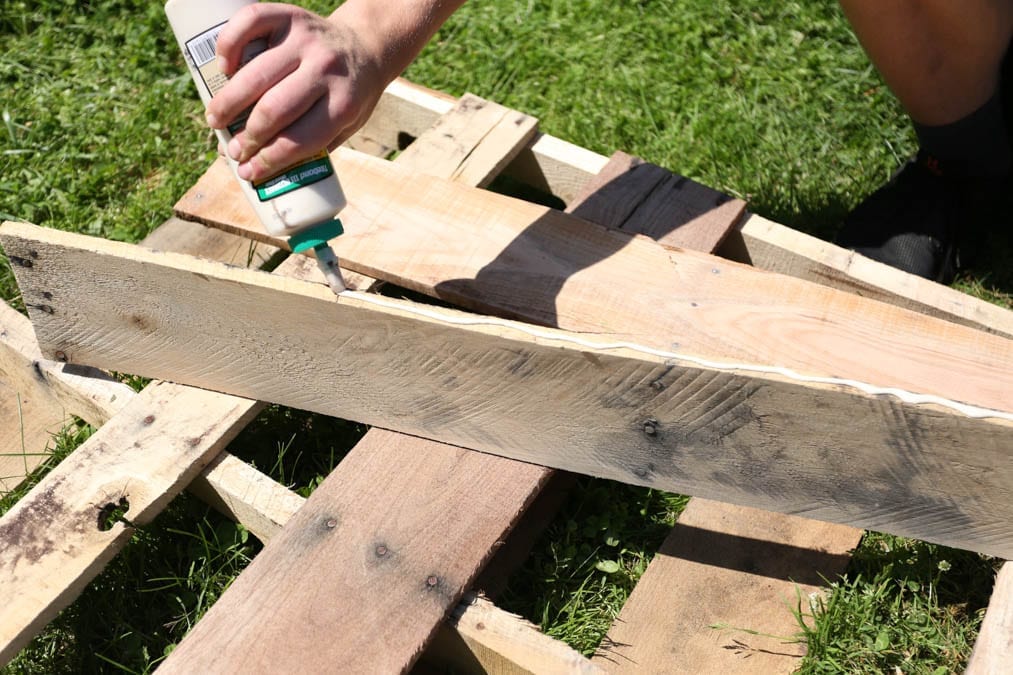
(202, 47)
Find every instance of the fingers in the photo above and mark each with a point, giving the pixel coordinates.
(289, 146)
(245, 26)
(282, 105)
(264, 23)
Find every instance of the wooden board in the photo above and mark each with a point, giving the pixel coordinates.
(772, 246)
(407, 110)
(53, 544)
(85, 392)
(477, 132)
(26, 435)
(489, 640)
(732, 566)
(548, 267)
(472, 143)
(993, 651)
(633, 195)
(827, 451)
(366, 532)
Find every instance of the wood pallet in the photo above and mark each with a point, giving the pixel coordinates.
(417, 562)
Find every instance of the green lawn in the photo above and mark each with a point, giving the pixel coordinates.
(773, 102)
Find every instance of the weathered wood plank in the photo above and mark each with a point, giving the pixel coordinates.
(26, 433)
(407, 110)
(53, 541)
(85, 392)
(184, 236)
(470, 144)
(638, 197)
(486, 639)
(993, 651)
(921, 470)
(548, 267)
(96, 397)
(366, 532)
(771, 246)
(563, 169)
(730, 565)
(480, 135)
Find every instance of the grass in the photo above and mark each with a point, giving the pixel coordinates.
(773, 102)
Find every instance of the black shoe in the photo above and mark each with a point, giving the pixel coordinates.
(910, 223)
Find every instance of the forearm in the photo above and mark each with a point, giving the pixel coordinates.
(396, 30)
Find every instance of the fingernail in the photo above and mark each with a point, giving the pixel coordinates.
(223, 65)
(245, 171)
(235, 149)
(213, 121)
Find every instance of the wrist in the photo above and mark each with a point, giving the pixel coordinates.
(393, 36)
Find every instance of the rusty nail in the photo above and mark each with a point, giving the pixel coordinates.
(432, 580)
(149, 420)
(332, 523)
(381, 551)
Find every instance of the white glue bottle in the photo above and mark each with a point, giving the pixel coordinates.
(302, 201)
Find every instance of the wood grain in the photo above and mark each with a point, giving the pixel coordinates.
(824, 451)
(642, 198)
(489, 640)
(26, 435)
(366, 532)
(993, 651)
(772, 246)
(547, 267)
(722, 571)
(53, 543)
(647, 635)
(470, 144)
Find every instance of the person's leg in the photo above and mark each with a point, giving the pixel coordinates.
(943, 61)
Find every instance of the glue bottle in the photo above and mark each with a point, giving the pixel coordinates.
(300, 202)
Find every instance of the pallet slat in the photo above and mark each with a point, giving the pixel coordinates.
(54, 542)
(993, 651)
(366, 534)
(752, 434)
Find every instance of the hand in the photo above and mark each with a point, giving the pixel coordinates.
(316, 83)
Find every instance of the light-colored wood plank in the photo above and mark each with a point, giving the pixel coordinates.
(367, 532)
(86, 392)
(183, 236)
(730, 565)
(472, 143)
(638, 197)
(481, 638)
(771, 246)
(993, 651)
(95, 396)
(26, 435)
(828, 450)
(408, 110)
(563, 169)
(53, 544)
(246, 495)
(548, 267)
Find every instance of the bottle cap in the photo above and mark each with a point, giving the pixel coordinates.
(315, 236)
